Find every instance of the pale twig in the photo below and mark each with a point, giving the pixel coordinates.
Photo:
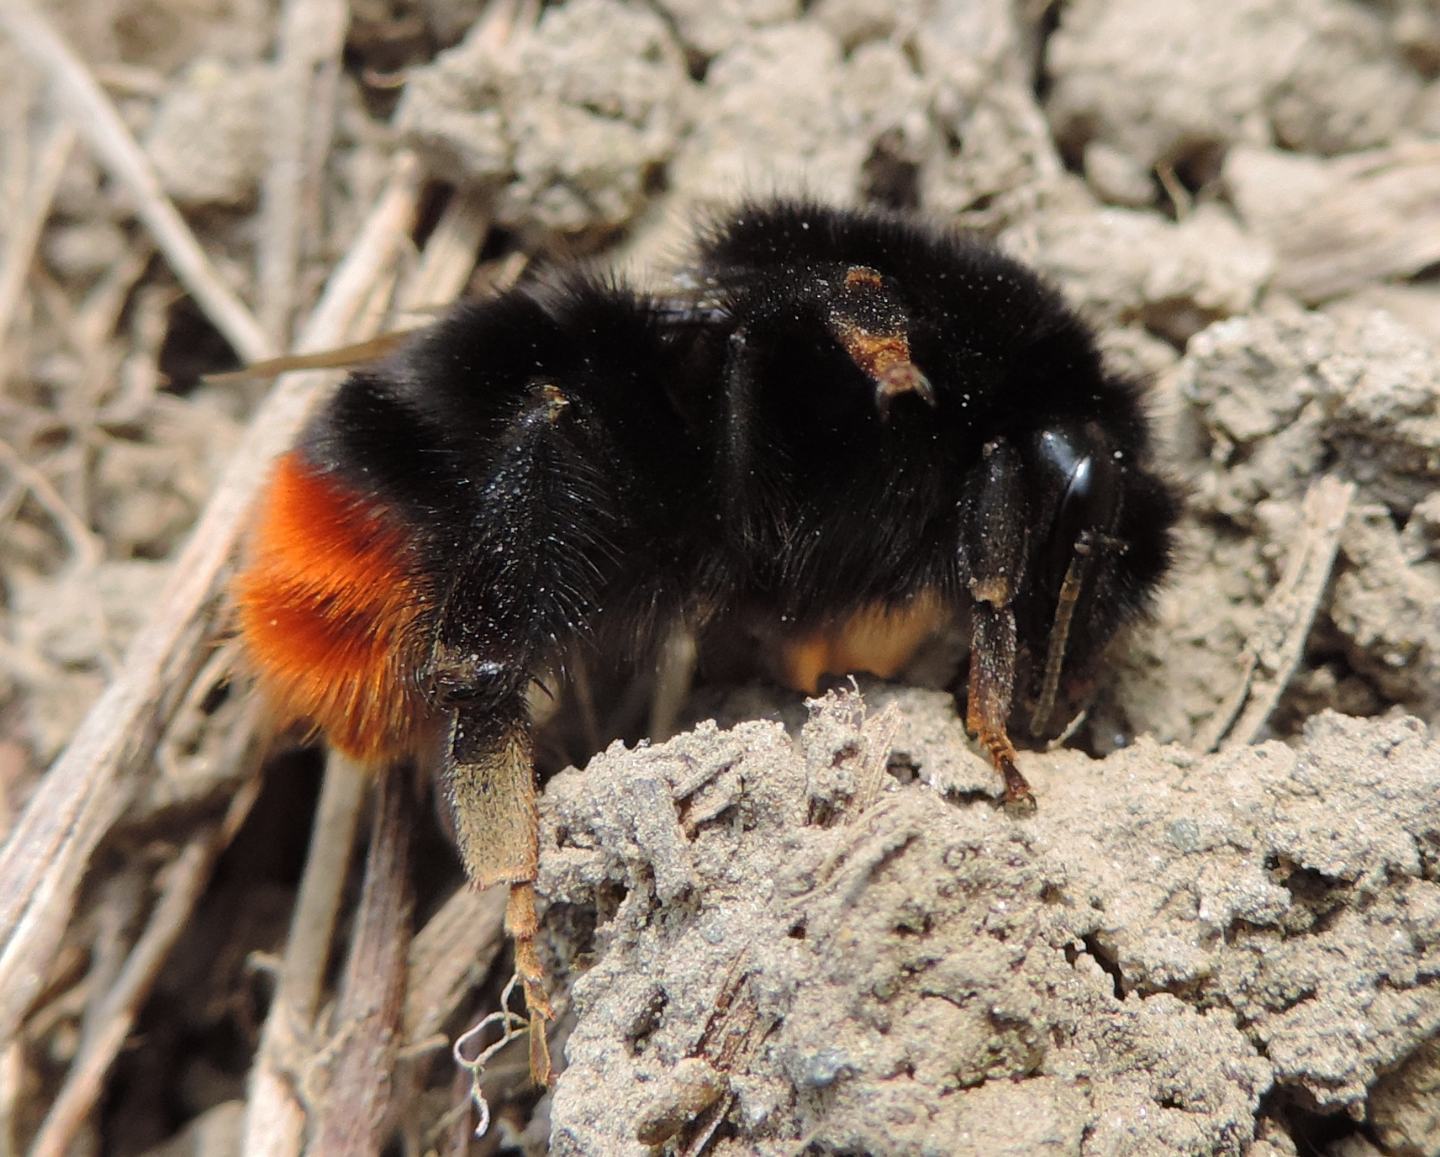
(85, 548)
(24, 232)
(69, 985)
(132, 80)
(121, 901)
(1181, 199)
(674, 680)
(15, 1096)
(98, 315)
(504, 22)
(317, 906)
(274, 1117)
(17, 113)
(117, 150)
(186, 879)
(450, 255)
(384, 235)
(302, 122)
(353, 1114)
(1277, 644)
(878, 732)
(89, 786)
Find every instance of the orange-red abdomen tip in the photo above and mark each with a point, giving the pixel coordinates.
(328, 601)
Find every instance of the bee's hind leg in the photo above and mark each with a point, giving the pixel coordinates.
(488, 783)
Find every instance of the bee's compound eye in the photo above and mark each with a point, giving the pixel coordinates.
(1082, 479)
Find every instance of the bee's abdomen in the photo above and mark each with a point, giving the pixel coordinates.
(328, 604)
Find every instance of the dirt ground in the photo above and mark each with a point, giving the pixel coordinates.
(787, 929)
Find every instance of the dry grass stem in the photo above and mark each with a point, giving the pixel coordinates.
(26, 228)
(445, 266)
(87, 789)
(274, 1116)
(85, 549)
(185, 880)
(379, 243)
(1380, 219)
(312, 39)
(1273, 652)
(96, 116)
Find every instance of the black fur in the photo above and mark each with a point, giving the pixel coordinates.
(572, 452)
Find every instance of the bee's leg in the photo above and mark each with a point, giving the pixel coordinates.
(994, 530)
(992, 681)
(540, 550)
(489, 785)
(750, 480)
(738, 446)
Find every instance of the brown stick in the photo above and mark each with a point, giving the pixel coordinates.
(274, 1116)
(451, 954)
(355, 1110)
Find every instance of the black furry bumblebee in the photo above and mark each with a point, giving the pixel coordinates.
(858, 427)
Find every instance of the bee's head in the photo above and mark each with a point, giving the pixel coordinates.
(1100, 541)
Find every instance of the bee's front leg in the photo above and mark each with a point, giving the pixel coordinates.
(994, 531)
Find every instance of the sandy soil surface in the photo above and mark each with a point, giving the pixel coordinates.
(786, 929)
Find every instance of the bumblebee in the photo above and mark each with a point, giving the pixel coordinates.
(856, 429)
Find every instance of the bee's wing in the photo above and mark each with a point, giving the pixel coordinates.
(686, 305)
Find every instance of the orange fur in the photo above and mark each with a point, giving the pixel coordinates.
(327, 604)
(876, 639)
